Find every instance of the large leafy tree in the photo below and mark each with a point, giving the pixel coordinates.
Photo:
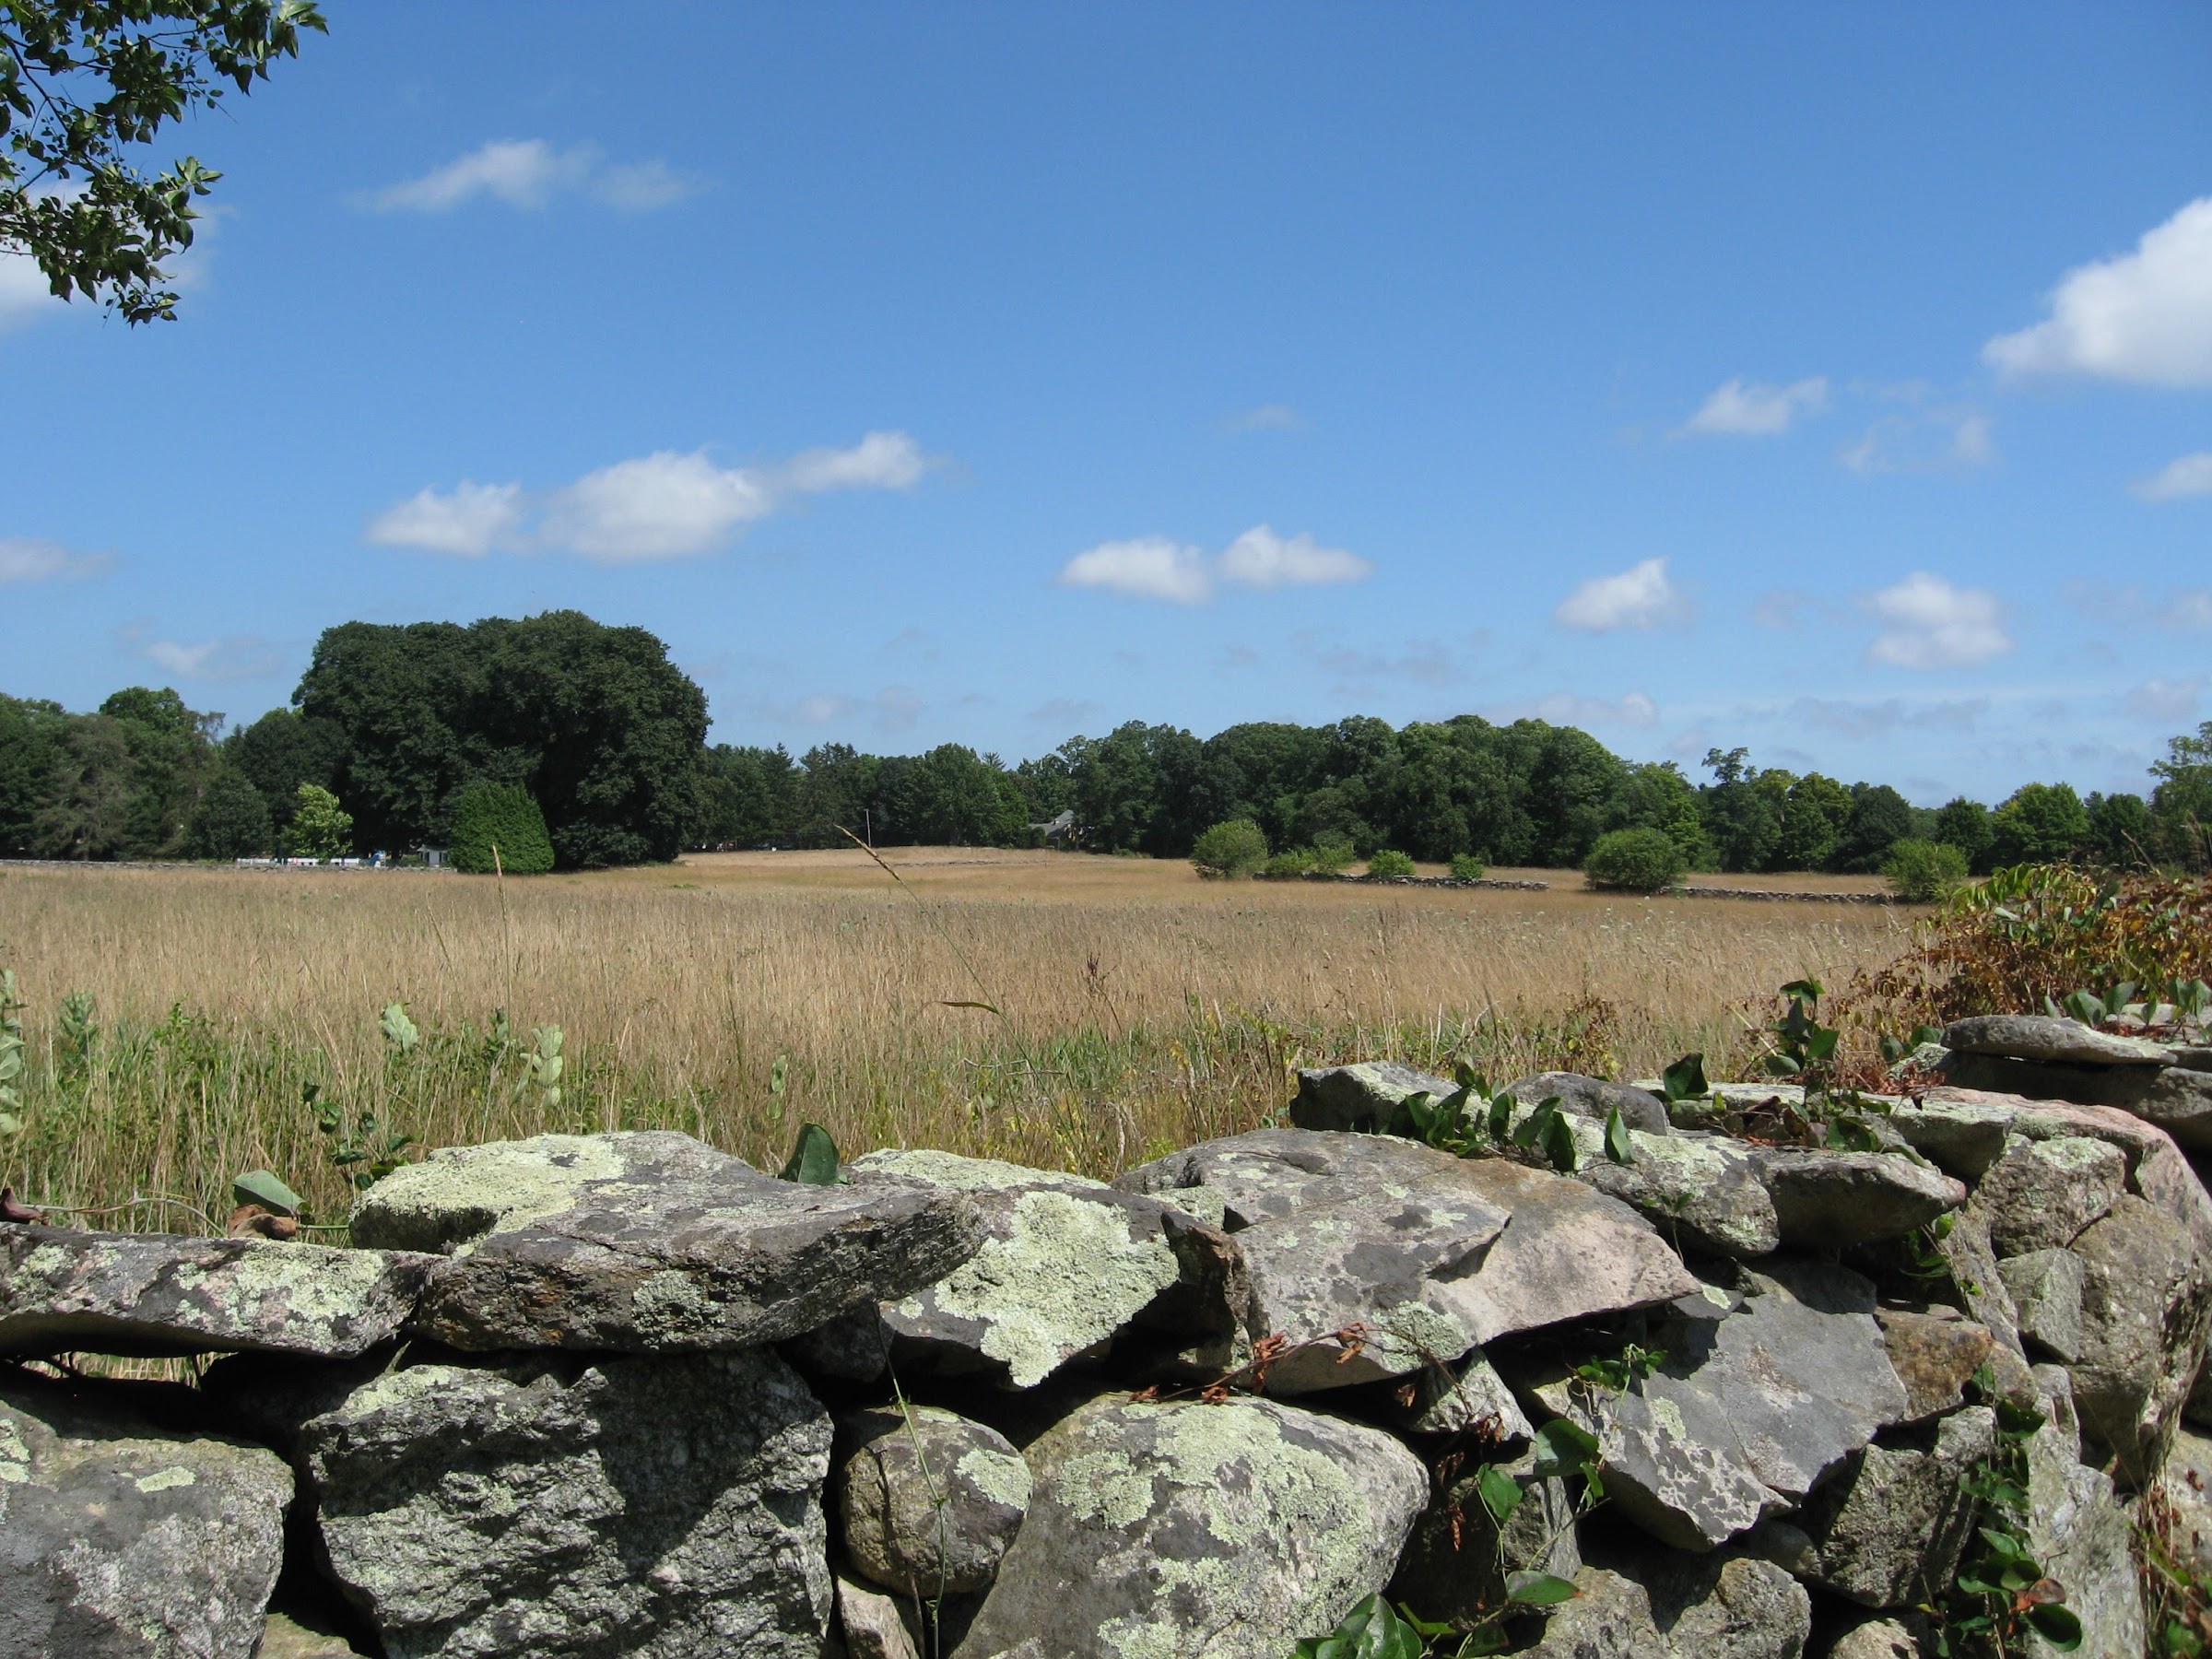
(83, 84)
(2182, 803)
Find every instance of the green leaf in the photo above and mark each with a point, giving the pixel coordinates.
(1781, 1065)
(1618, 1147)
(814, 1159)
(1685, 1079)
(398, 1029)
(1501, 1494)
(1539, 1590)
(2057, 1626)
(1562, 1446)
(1559, 1144)
(259, 1187)
(1807, 990)
(1501, 1114)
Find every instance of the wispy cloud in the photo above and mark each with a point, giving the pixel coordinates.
(1861, 719)
(1566, 708)
(1639, 597)
(23, 290)
(24, 561)
(1064, 714)
(1928, 622)
(2143, 317)
(1925, 441)
(2180, 610)
(531, 174)
(1742, 408)
(2165, 701)
(241, 656)
(665, 505)
(1156, 567)
(1268, 418)
(2183, 477)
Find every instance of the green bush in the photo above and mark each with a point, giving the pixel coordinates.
(492, 814)
(1921, 872)
(1641, 860)
(1291, 861)
(320, 826)
(1332, 851)
(1465, 867)
(1389, 861)
(232, 821)
(1235, 848)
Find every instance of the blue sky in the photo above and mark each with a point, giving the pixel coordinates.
(1831, 381)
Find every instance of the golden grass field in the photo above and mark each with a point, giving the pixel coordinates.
(1133, 1007)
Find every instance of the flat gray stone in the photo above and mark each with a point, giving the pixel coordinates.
(2083, 1536)
(1198, 1531)
(2046, 1287)
(1705, 1191)
(1826, 1200)
(1728, 1606)
(1458, 1559)
(1610, 1617)
(123, 1539)
(648, 1242)
(63, 1291)
(874, 1625)
(930, 1501)
(1362, 1098)
(1935, 1351)
(2176, 1099)
(1068, 1265)
(1451, 1399)
(1593, 1098)
(1427, 1255)
(2046, 1038)
(2043, 1192)
(667, 1505)
(1958, 1138)
(2145, 1309)
(1889, 1530)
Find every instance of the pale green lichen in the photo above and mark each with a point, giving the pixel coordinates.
(162, 1480)
(15, 1456)
(669, 1301)
(1002, 1477)
(1209, 1205)
(294, 1285)
(970, 1174)
(483, 1190)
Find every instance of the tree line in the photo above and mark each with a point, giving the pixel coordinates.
(391, 725)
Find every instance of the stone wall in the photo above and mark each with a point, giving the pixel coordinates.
(622, 1395)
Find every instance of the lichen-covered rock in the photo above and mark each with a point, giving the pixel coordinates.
(2186, 1501)
(667, 1505)
(2047, 1037)
(2083, 1537)
(121, 1538)
(2174, 1098)
(1728, 1606)
(1196, 1531)
(2045, 1286)
(1934, 1352)
(2145, 1307)
(1067, 1266)
(648, 1242)
(1823, 1199)
(1877, 1638)
(1458, 1559)
(1610, 1617)
(930, 1501)
(1593, 1098)
(1971, 1262)
(1453, 1399)
(2043, 1192)
(1888, 1529)
(1958, 1137)
(1705, 1191)
(874, 1625)
(1362, 1098)
(161, 1293)
(1429, 1255)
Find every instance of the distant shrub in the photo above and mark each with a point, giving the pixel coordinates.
(1332, 851)
(1291, 861)
(320, 826)
(1921, 872)
(232, 821)
(1389, 861)
(1465, 867)
(1640, 861)
(1235, 848)
(492, 814)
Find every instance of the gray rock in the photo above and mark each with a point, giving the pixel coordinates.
(2047, 1037)
(1458, 1559)
(1610, 1617)
(1593, 1098)
(2185, 1503)
(1363, 1097)
(1823, 1200)
(875, 1627)
(648, 1242)
(930, 1499)
(123, 1539)
(2145, 1304)
(1934, 1352)
(1877, 1638)
(2045, 1286)
(1671, 1461)
(1728, 1605)
(1427, 1254)
(1889, 1530)
(1958, 1138)
(1197, 1531)
(855, 1346)
(160, 1293)
(1706, 1191)
(2043, 1192)
(555, 1506)
(1067, 1266)
(285, 1637)
(2177, 1100)
(1451, 1399)
(2191, 1057)
(1978, 1283)
(2082, 1537)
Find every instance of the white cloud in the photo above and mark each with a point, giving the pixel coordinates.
(1268, 418)
(1930, 623)
(1641, 596)
(2168, 702)
(529, 172)
(242, 656)
(2143, 317)
(1751, 409)
(25, 560)
(1261, 558)
(1929, 440)
(1564, 708)
(1154, 566)
(470, 520)
(1860, 719)
(1150, 567)
(23, 290)
(2184, 475)
(665, 505)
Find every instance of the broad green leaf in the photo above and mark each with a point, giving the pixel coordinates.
(1540, 1590)
(259, 1187)
(1559, 1145)
(1807, 990)
(399, 1031)
(1618, 1147)
(2056, 1625)
(1501, 1114)
(1685, 1080)
(1501, 1494)
(814, 1159)
(1562, 1446)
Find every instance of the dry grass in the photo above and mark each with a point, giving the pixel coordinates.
(1136, 1006)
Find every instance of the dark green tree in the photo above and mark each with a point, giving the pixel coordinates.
(31, 738)
(1880, 817)
(232, 821)
(83, 84)
(2120, 830)
(498, 827)
(1814, 815)
(954, 797)
(746, 797)
(2181, 802)
(89, 807)
(1743, 818)
(1964, 824)
(282, 750)
(2040, 823)
(174, 759)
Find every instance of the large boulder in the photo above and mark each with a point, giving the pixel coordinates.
(1067, 1265)
(648, 1242)
(666, 1506)
(1726, 1606)
(2146, 1306)
(2049, 1039)
(1824, 1199)
(2082, 1536)
(930, 1499)
(1594, 1098)
(161, 1293)
(1609, 1617)
(1197, 1530)
(122, 1537)
(1363, 1097)
(1375, 1256)
(2176, 1099)
(2045, 1287)
(2043, 1192)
